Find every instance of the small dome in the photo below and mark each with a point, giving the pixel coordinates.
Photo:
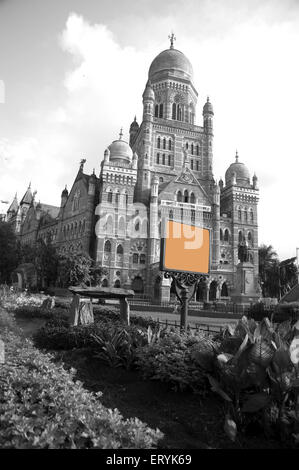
(241, 172)
(148, 92)
(64, 192)
(134, 124)
(120, 150)
(171, 60)
(208, 108)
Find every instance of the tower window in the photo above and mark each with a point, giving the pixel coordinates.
(169, 144)
(161, 110)
(158, 142)
(197, 165)
(158, 158)
(187, 145)
(157, 110)
(240, 214)
(179, 196)
(226, 235)
(192, 149)
(191, 164)
(142, 258)
(221, 235)
(186, 196)
(192, 198)
(179, 113)
(163, 159)
(109, 196)
(169, 160)
(135, 258)
(164, 143)
(174, 111)
(197, 150)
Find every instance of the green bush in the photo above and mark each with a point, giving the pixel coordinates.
(177, 359)
(41, 406)
(38, 312)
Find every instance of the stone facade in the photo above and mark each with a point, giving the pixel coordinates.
(166, 170)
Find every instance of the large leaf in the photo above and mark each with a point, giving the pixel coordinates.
(217, 388)
(241, 349)
(281, 359)
(230, 428)
(255, 403)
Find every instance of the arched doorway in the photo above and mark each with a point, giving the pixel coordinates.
(105, 282)
(213, 290)
(137, 285)
(199, 295)
(224, 290)
(117, 283)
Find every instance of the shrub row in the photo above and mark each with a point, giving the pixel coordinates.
(41, 406)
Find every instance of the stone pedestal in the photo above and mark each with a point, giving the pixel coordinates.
(245, 292)
(165, 290)
(81, 311)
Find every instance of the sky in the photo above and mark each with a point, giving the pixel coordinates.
(72, 73)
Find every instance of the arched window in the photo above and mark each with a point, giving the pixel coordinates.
(169, 144)
(117, 283)
(239, 214)
(174, 111)
(171, 215)
(192, 198)
(250, 238)
(158, 158)
(161, 110)
(117, 198)
(120, 250)
(163, 159)
(187, 145)
(221, 235)
(135, 258)
(191, 164)
(164, 143)
(179, 113)
(179, 196)
(137, 226)
(142, 258)
(161, 179)
(251, 215)
(192, 149)
(186, 196)
(109, 224)
(107, 246)
(240, 237)
(226, 235)
(224, 290)
(157, 110)
(109, 198)
(245, 214)
(197, 150)
(159, 142)
(105, 283)
(197, 165)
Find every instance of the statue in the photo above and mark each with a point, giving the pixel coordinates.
(82, 163)
(243, 252)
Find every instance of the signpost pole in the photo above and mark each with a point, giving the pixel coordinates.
(184, 308)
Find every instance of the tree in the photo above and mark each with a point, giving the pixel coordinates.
(269, 271)
(74, 269)
(8, 252)
(288, 275)
(46, 262)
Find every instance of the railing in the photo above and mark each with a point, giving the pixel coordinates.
(186, 205)
(198, 326)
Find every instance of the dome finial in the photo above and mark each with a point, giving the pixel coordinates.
(121, 133)
(172, 38)
(237, 156)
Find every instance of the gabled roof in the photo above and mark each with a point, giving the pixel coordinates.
(51, 210)
(27, 198)
(14, 205)
(292, 295)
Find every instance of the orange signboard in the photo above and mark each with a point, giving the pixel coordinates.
(185, 248)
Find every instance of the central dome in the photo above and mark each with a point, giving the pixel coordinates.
(171, 60)
(120, 150)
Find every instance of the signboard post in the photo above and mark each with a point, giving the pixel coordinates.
(185, 257)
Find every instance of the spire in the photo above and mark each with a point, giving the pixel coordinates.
(172, 38)
(237, 156)
(27, 198)
(82, 162)
(121, 133)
